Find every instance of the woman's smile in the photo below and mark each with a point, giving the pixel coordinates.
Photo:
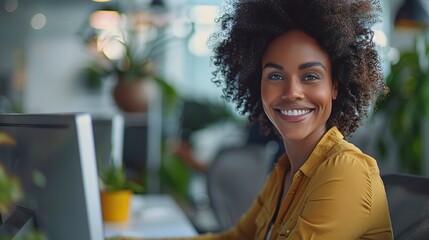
(295, 114)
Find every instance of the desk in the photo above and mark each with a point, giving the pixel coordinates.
(152, 216)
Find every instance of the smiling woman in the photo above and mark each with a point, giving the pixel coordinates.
(312, 70)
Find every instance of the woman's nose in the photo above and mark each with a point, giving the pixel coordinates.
(292, 90)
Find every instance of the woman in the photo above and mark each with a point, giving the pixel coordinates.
(311, 67)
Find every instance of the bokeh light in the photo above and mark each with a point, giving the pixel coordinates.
(38, 21)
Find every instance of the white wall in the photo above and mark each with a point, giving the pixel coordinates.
(54, 57)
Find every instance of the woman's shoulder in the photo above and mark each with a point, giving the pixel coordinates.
(348, 158)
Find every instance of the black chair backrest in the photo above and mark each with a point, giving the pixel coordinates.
(234, 179)
(408, 199)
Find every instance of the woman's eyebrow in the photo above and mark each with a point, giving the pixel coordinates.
(311, 64)
(300, 67)
(273, 65)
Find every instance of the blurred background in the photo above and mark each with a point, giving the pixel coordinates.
(94, 56)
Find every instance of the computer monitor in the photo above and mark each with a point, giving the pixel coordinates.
(60, 147)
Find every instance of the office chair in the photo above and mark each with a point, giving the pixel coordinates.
(408, 199)
(234, 179)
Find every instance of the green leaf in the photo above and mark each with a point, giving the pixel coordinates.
(114, 179)
(168, 91)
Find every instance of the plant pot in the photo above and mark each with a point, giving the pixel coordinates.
(134, 96)
(116, 205)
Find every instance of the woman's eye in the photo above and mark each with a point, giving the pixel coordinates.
(311, 77)
(275, 76)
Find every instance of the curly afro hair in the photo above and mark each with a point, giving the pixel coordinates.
(341, 27)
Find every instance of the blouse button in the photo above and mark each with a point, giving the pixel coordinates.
(284, 234)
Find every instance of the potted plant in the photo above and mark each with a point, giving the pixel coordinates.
(127, 54)
(405, 108)
(116, 193)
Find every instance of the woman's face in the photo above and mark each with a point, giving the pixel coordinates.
(296, 86)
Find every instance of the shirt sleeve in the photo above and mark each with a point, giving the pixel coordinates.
(339, 202)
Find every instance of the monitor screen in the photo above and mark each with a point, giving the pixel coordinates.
(54, 159)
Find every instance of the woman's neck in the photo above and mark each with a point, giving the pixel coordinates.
(297, 154)
(299, 151)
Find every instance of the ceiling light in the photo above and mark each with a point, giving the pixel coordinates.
(104, 19)
(413, 14)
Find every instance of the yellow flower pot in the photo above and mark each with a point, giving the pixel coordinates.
(116, 205)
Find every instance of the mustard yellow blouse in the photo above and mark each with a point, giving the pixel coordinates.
(336, 194)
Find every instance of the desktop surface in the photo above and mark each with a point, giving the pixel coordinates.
(152, 216)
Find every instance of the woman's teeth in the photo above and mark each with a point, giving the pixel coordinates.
(295, 112)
